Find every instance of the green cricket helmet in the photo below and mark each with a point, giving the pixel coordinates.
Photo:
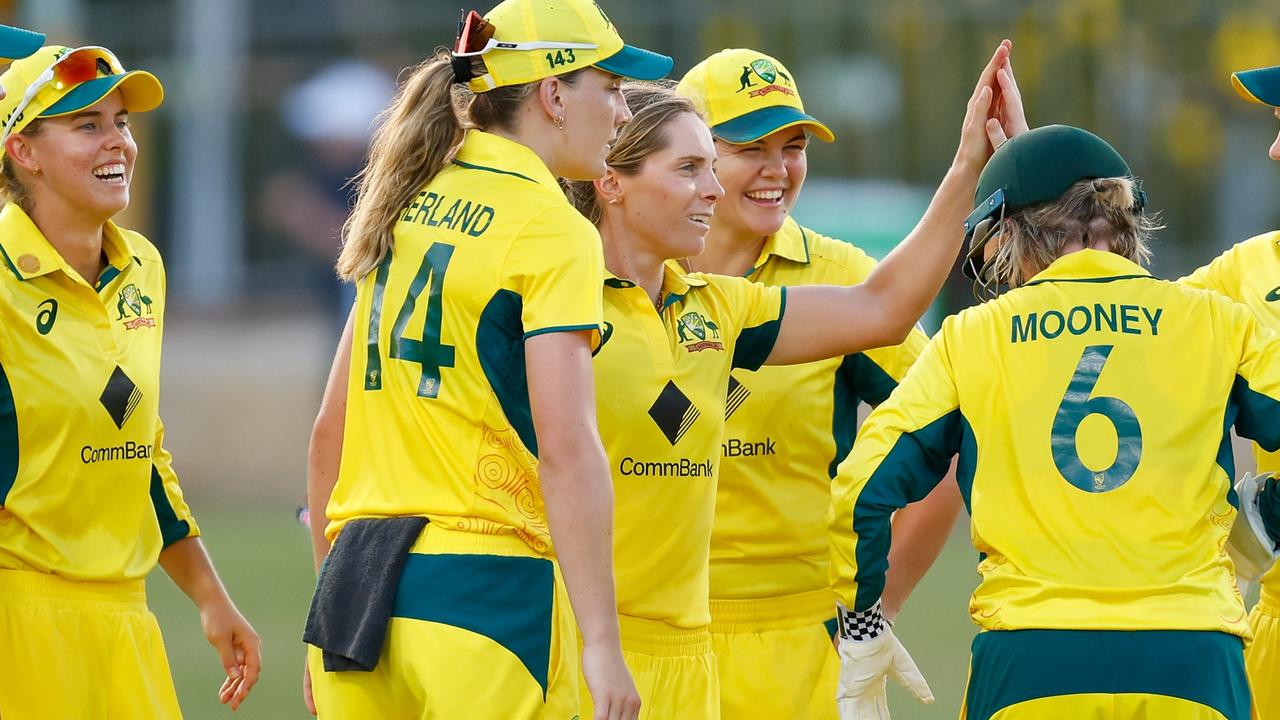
(1034, 167)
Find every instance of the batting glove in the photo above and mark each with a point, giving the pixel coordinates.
(1249, 545)
(869, 653)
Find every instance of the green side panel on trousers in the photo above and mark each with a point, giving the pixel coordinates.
(506, 599)
(1014, 666)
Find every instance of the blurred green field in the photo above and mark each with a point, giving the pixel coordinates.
(264, 558)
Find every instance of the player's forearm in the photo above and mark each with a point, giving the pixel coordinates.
(920, 531)
(579, 501)
(189, 567)
(323, 458)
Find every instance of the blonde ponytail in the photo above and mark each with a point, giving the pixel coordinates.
(417, 135)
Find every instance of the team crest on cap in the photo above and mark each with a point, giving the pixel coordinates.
(694, 329)
(134, 308)
(764, 69)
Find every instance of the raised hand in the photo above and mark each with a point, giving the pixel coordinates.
(975, 145)
(1008, 118)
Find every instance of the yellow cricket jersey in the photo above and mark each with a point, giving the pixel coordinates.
(788, 428)
(1091, 411)
(660, 401)
(1249, 273)
(87, 490)
(438, 424)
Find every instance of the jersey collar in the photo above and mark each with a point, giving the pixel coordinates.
(28, 254)
(492, 153)
(675, 283)
(791, 242)
(1089, 264)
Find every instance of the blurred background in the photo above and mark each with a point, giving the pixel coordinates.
(241, 183)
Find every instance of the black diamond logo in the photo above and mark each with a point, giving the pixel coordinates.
(120, 397)
(738, 394)
(673, 412)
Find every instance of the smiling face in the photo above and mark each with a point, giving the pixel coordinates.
(81, 163)
(761, 181)
(594, 109)
(667, 205)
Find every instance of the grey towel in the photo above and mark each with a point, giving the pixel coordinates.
(356, 591)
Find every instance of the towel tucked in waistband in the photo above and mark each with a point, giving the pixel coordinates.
(356, 591)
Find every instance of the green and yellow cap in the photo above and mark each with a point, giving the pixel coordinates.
(746, 95)
(521, 41)
(17, 43)
(1260, 85)
(58, 80)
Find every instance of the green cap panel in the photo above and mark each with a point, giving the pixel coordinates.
(1042, 164)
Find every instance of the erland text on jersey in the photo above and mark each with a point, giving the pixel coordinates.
(436, 210)
(1084, 320)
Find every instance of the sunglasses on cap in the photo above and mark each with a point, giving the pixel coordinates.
(475, 37)
(77, 66)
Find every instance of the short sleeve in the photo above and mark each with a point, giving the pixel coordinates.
(172, 513)
(757, 310)
(556, 265)
(1256, 390)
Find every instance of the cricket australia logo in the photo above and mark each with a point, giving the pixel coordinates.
(770, 74)
(134, 308)
(698, 333)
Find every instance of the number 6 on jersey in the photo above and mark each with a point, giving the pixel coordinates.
(1075, 407)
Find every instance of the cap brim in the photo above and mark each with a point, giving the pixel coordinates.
(1261, 85)
(16, 43)
(637, 63)
(767, 121)
(140, 90)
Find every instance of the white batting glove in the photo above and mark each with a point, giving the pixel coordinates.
(869, 653)
(1249, 545)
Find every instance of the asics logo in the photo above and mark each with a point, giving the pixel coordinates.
(1274, 295)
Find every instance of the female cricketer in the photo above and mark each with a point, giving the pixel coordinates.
(469, 402)
(1092, 421)
(771, 602)
(674, 337)
(89, 501)
(1249, 273)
